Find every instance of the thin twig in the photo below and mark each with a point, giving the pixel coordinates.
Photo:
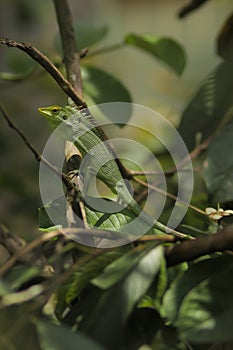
(170, 195)
(42, 239)
(68, 232)
(169, 173)
(105, 49)
(166, 173)
(189, 7)
(27, 249)
(158, 238)
(71, 233)
(193, 155)
(71, 56)
(10, 241)
(62, 278)
(174, 254)
(20, 133)
(200, 148)
(39, 57)
(37, 155)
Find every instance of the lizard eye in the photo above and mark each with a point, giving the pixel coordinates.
(54, 109)
(64, 117)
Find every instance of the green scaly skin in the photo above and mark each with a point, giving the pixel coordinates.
(89, 140)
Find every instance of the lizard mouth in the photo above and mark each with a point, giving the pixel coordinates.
(45, 113)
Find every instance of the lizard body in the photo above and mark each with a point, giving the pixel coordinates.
(92, 142)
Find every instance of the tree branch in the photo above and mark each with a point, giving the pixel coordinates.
(73, 72)
(174, 254)
(71, 56)
(39, 57)
(193, 249)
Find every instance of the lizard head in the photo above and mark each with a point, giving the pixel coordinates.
(55, 114)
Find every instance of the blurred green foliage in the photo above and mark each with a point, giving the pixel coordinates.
(60, 294)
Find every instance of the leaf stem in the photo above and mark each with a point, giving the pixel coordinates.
(159, 190)
(105, 49)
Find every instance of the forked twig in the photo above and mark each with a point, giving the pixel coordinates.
(39, 57)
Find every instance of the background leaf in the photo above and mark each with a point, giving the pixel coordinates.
(208, 107)
(17, 61)
(187, 280)
(219, 165)
(120, 268)
(103, 87)
(54, 337)
(108, 317)
(21, 66)
(206, 314)
(166, 50)
(81, 278)
(16, 76)
(86, 33)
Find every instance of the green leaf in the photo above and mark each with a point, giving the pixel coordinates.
(106, 323)
(71, 290)
(206, 314)
(54, 337)
(115, 222)
(208, 107)
(161, 285)
(119, 268)
(103, 87)
(187, 280)
(91, 269)
(122, 222)
(153, 297)
(218, 167)
(86, 34)
(166, 50)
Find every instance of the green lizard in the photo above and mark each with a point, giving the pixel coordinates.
(91, 141)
